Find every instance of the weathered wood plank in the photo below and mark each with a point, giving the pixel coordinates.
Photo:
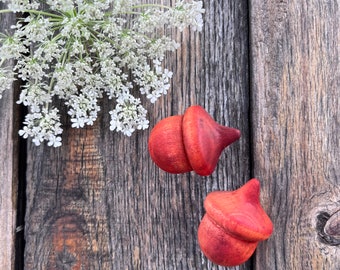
(99, 202)
(295, 121)
(8, 168)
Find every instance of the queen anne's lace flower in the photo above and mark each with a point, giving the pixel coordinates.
(79, 50)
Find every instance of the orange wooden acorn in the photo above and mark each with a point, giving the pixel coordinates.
(189, 142)
(233, 225)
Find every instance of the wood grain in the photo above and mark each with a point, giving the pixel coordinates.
(8, 167)
(295, 86)
(99, 202)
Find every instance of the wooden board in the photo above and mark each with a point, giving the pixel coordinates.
(8, 168)
(295, 125)
(99, 202)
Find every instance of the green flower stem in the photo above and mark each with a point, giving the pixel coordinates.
(5, 11)
(66, 55)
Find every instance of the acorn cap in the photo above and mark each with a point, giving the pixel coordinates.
(239, 212)
(204, 139)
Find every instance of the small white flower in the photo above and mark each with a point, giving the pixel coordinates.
(25, 132)
(78, 122)
(143, 124)
(54, 141)
(37, 140)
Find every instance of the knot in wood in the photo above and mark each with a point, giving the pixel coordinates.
(328, 227)
(332, 227)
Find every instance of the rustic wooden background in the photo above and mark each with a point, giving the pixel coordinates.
(268, 67)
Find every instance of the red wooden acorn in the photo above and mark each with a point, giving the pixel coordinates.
(189, 142)
(233, 225)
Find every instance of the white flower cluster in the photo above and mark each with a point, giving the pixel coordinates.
(44, 125)
(80, 50)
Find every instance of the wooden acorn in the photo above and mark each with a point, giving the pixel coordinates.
(233, 225)
(189, 142)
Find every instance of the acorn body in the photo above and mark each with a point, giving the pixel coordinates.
(166, 145)
(233, 225)
(189, 142)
